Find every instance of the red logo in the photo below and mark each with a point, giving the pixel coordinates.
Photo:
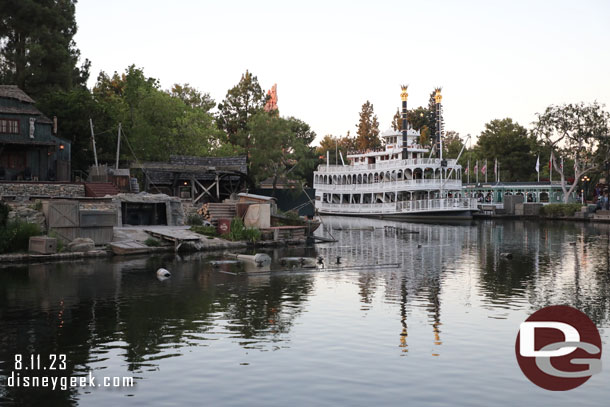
(558, 348)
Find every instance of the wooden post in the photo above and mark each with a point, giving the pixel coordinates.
(193, 189)
(217, 187)
(93, 141)
(118, 148)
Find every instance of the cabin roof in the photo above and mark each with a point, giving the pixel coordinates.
(13, 92)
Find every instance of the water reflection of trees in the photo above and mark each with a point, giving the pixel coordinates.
(552, 263)
(84, 309)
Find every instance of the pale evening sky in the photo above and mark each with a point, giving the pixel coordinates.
(494, 59)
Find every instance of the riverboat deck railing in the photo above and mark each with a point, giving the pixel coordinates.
(323, 168)
(422, 205)
(392, 185)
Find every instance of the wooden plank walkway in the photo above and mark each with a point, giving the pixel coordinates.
(177, 236)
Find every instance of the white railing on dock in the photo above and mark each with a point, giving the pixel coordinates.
(397, 164)
(423, 205)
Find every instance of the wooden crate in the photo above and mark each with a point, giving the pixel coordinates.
(63, 214)
(42, 245)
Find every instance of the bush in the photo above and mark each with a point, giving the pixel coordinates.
(237, 229)
(240, 232)
(293, 215)
(559, 210)
(252, 234)
(4, 210)
(205, 230)
(194, 220)
(16, 235)
(152, 242)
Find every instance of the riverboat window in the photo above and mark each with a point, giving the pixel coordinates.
(9, 126)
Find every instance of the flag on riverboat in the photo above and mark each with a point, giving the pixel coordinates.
(496, 169)
(538, 164)
(484, 168)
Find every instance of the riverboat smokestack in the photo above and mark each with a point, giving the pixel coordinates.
(404, 96)
(439, 126)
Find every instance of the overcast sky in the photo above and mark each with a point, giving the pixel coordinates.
(493, 59)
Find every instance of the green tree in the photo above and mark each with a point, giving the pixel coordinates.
(37, 50)
(368, 129)
(277, 150)
(418, 117)
(159, 123)
(397, 121)
(306, 155)
(509, 143)
(242, 102)
(192, 97)
(73, 109)
(578, 131)
(336, 146)
(452, 144)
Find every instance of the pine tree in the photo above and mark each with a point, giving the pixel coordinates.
(397, 121)
(242, 102)
(37, 50)
(368, 129)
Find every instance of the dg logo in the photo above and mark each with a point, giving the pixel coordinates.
(559, 348)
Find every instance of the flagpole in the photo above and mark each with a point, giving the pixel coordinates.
(486, 170)
(468, 172)
(551, 168)
(476, 170)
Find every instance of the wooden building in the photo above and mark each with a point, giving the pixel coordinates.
(29, 147)
(201, 179)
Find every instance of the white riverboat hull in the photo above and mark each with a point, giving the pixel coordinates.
(434, 209)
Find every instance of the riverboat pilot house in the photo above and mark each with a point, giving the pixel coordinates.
(29, 147)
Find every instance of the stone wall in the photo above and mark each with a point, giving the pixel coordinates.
(41, 189)
(27, 212)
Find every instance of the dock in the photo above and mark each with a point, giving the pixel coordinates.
(176, 236)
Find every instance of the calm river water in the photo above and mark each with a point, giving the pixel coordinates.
(418, 315)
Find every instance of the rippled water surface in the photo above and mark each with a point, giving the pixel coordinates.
(418, 314)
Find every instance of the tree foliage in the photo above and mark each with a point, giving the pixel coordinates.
(452, 144)
(243, 101)
(192, 97)
(335, 146)
(368, 129)
(509, 142)
(579, 131)
(159, 123)
(37, 50)
(280, 148)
